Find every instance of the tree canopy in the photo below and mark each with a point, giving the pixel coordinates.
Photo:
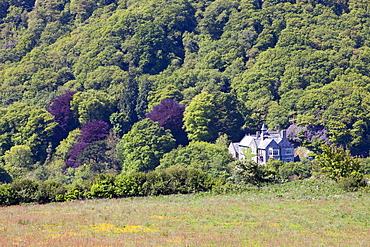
(143, 146)
(230, 66)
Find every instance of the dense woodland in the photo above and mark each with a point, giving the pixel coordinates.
(121, 86)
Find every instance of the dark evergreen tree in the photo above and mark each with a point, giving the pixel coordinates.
(128, 99)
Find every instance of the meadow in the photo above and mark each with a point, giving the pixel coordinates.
(300, 213)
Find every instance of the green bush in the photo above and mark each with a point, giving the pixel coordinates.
(6, 195)
(337, 163)
(127, 185)
(78, 191)
(175, 180)
(249, 172)
(74, 192)
(50, 191)
(300, 169)
(352, 182)
(103, 187)
(365, 166)
(156, 183)
(25, 191)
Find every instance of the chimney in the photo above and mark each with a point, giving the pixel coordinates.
(283, 134)
(257, 134)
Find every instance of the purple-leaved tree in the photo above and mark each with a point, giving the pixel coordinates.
(314, 134)
(169, 115)
(93, 131)
(60, 108)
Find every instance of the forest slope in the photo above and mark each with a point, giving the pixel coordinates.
(96, 68)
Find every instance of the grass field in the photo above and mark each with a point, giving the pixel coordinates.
(303, 213)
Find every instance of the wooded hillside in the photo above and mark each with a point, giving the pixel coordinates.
(78, 77)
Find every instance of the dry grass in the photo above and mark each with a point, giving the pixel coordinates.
(247, 219)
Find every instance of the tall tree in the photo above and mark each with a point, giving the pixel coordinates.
(18, 161)
(90, 132)
(128, 99)
(21, 124)
(92, 105)
(198, 116)
(143, 146)
(60, 108)
(169, 115)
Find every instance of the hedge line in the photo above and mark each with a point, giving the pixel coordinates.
(174, 180)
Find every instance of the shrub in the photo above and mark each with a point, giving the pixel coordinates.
(78, 191)
(337, 163)
(25, 190)
(352, 182)
(300, 169)
(104, 187)
(208, 157)
(127, 185)
(156, 183)
(365, 166)
(177, 179)
(6, 195)
(50, 191)
(249, 172)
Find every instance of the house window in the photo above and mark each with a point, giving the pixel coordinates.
(273, 152)
(289, 151)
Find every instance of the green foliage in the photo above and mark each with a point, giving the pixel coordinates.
(77, 191)
(249, 172)
(6, 195)
(301, 169)
(50, 191)
(25, 191)
(104, 187)
(79, 175)
(338, 164)
(92, 105)
(26, 125)
(291, 170)
(65, 145)
(18, 161)
(127, 185)
(176, 180)
(197, 118)
(365, 166)
(143, 146)
(279, 62)
(210, 158)
(352, 183)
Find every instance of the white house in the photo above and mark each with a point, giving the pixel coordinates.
(263, 146)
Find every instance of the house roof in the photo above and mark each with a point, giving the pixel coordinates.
(235, 146)
(263, 140)
(246, 141)
(266, 143)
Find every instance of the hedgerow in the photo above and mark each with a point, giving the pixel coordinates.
(174, 180)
